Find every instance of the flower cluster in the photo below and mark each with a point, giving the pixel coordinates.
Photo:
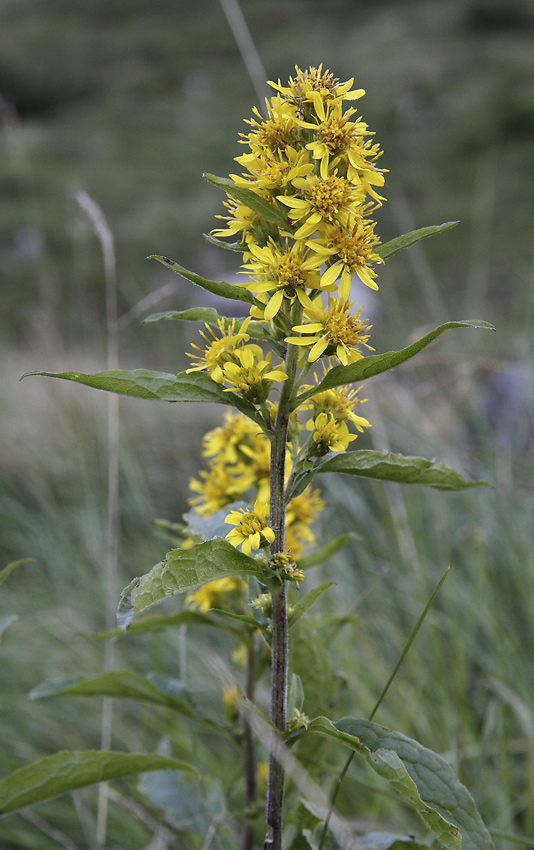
(314, 164)
(238, 468)
(229, 358)
(300, 212)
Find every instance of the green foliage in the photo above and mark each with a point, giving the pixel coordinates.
(388, 249)
(12, 566)
(375, 364)
(387, 466)
(307, 601)
(67, 771)
(259, 206)
(225, 290)
(142, 383)
(210, 317)
(421, 776)
(186, 569)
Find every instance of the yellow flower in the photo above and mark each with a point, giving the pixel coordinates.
(251, 530)
(302, 511)
(340, 402)
(332, 332)
(231, 704)
(277, 133)
(251, 375)
(284, 564)
(220, 349)
(314, 86)
(350, 250)
(241, 219)
(272, 171)
(262, 772)
(329, 435)
(228, 441)
(323, 200)
(281, 273)
(216, 489)
(219, 594)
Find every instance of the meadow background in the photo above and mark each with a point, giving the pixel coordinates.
(131, 101)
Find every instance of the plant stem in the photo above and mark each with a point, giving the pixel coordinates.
(279, 646)
(250, 761)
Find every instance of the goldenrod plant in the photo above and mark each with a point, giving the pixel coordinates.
(292, 373)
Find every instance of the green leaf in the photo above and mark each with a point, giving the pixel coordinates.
(250, 199)
(216, 287)
(209, 316)
(326, 551)
(367, 367)
(408, 239)
(13, 566)
(154, 623)
(220, 243)
(307, 601)
(67, 771)
(163, 386)
(123, 684)
(186, 569)
(387, 841)
(421, 776)
(386, 466)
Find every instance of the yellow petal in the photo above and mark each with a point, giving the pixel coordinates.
(331, 274)
(318, 349)
(274, 304)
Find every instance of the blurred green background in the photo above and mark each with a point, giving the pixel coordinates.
(131, 101)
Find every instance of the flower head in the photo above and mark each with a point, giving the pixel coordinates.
(340, 402)
(282, 273)
(220, 348)
(332, 332)
(216, 488)
(251, 375)
(251, 529)
(329, 435)
(349, 251)
(321, 201)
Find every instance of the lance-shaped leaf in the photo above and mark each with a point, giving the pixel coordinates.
(408, 239)
(220, 243)
(367, 367)
(216, 287)
(421, 776)
(67, 771)
(163, 386)
(123, 684)
(209, 316)
(307, 601)
(387, 841)
(386, 466)
(186, 569)
(250, 199)
(13, 566)
(126, 684)
(154, 623)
